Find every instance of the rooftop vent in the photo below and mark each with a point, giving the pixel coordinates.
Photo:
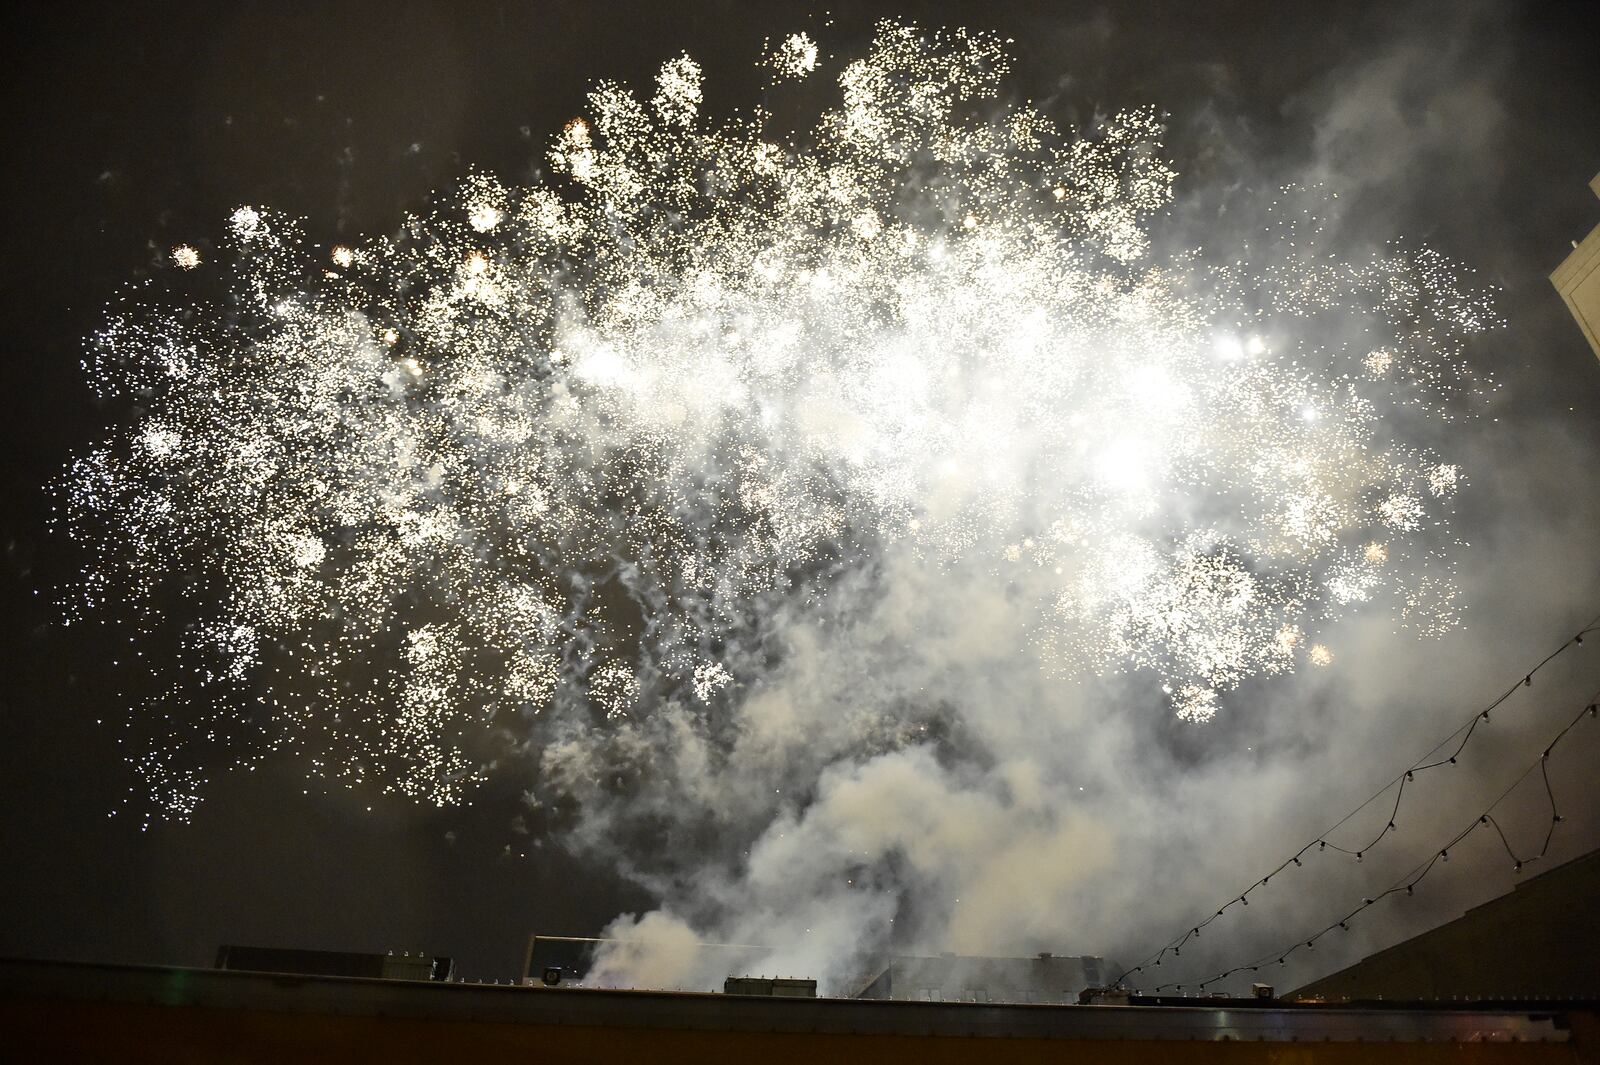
(769, 987)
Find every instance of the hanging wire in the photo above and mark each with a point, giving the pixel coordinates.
(1406, 885)
(1465, 733)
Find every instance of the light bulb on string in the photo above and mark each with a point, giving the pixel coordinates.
(1485, 818)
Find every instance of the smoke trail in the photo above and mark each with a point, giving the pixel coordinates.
(771, 502)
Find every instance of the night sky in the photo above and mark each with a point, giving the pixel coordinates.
(134, 127)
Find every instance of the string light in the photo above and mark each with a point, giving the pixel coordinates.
(1406, 776)
(1407, 884)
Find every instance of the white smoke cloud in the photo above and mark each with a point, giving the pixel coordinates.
(841, 630)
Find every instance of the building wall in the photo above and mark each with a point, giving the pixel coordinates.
(1578, 281)
(54, 1011)
(135, 1034)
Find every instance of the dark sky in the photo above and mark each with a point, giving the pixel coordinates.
(132, 127)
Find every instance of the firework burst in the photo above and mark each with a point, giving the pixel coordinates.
(547, 452)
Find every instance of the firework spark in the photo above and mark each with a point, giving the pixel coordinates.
(547, 449)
